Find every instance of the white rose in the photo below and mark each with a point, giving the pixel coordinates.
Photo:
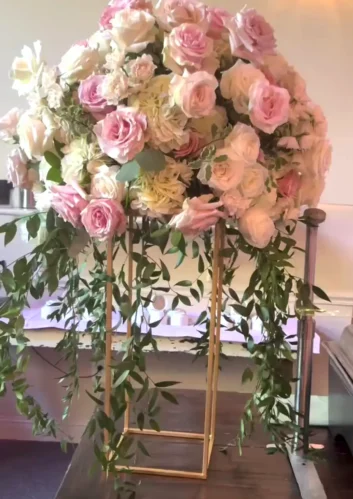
(105, 185)
(227, 171)
(25, 69)
(140, 71)
(8, 125)
(267, 200)
(79, 62)
(318, 158)
(115, 59)
(218, 120)
(234, 203)
(43, 200)
(257, 227)
(133, 29)
(236, 82)
(244, 142)
(101, 41)
(115, 87)
(77, 153)
(253, 183)
(50, 88)
(35, 135)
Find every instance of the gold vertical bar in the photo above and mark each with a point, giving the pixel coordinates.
(218, 330)
(209, 394)
(129, 322)
(108, 347)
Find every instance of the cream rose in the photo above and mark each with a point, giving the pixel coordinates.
(218, 120)
(311, 190)
(77, 153)
(140, 71)
(236, 82)
(244, 142)
(25, 69)
(318, 158)
(194, 93)
(35, 135)
(226, 171)
(105, 185)
(253, 182)
(133, 29)
(257, 227)
(234, 203)
(79, 62)
(115, 87)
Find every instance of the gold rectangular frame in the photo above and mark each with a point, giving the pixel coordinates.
(208, 435)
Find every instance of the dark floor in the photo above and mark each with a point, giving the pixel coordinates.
(31, 470)
(35, 470)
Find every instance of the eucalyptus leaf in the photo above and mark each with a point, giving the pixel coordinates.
(128, 172)
(151, 160)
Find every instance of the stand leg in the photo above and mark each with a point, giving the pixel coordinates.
(218, 333)
(129, 322)
(304, 469)
(109, 323)
(211, 358)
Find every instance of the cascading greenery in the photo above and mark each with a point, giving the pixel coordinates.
(270, 294)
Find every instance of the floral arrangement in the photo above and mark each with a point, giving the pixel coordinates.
(185, 115)
(180, 111)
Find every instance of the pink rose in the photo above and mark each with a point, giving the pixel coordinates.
(190, 148)
(8, 124)
(131, 4)
(289, 185)
(173, 13)
(216, 20)
(251, 37)
(107, 16)
(198, 215)
(269, 106)
(195, 93)
(90, 96)
(17, 170)
(69, 202)
(103, 218)
(188, 47)
(139, 72)
(122, 133)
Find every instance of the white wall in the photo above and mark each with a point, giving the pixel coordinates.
(315, 35)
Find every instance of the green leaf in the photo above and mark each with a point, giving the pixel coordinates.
(63, 445)
(143, 449)
(184, 283)
(176, 238)
(227, 252)
(201, 318)
(53, 160)
(165, 271)
(95, 399)
(175, 302)
(168, 396)
(153, 401)
(128, 172)
(195, 249)
(154, 425)
(144, 390)
(195, 294)
(201, 265)
(151, 160)
(33, 225)
(167, 384)
(10, 233)
(185, 300)
(214, 130)
(320, 293)
(121, 379)
(8, 280)
(201, 286)
(221, 159)
(140, 420)
(54, 175)
(58, 146)
(135, 376)
(248, 375)
(160, 232)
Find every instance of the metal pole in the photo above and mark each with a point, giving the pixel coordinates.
(306, 329)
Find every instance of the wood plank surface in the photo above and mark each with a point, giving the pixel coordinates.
(254, 475)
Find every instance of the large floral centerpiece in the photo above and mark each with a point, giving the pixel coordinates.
(186, 115)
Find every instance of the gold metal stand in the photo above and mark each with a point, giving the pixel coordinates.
(208, 436)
